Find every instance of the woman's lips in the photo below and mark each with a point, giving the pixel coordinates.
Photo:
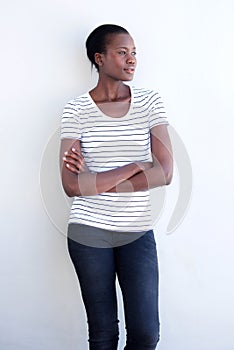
(130, 70)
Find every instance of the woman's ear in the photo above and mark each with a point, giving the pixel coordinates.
(98, 58)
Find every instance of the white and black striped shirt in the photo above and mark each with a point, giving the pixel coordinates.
(107, 143)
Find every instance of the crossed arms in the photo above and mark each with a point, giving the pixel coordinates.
(77, 180)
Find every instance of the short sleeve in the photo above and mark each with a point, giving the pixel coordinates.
(70, 126)
(157, 114)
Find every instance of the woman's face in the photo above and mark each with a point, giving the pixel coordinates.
(119, 60)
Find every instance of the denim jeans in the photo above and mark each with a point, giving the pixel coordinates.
(136, 266)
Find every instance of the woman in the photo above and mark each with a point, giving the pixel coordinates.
(115, 147)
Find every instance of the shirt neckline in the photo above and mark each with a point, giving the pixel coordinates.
(108, 116)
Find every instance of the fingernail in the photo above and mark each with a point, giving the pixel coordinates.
(73, 149)
(64, 158)
(66, 152)
(67, 165)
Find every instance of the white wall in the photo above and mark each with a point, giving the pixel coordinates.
(186, 52)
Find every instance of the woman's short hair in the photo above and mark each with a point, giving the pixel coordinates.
(98, 39)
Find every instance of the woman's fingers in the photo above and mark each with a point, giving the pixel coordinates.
(74, 155)
(76, 152)
(74, 161)
(73, 169)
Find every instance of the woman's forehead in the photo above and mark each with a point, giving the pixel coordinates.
(117, 40)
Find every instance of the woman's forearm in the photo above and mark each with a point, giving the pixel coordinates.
(89, 184)
(151, 178)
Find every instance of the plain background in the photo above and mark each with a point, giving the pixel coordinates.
(185, 50)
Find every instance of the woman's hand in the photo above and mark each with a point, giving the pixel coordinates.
(74, 161)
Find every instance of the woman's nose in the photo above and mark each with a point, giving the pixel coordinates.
(131, 59)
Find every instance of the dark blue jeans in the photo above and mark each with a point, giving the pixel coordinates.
(136, 266)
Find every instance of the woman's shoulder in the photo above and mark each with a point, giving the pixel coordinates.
(143, 93)
(79, 102)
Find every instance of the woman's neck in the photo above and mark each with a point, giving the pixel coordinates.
(110, 92)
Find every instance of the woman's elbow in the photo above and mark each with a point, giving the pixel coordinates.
(168, 176)
(69, 193)
(168, 179)
(70, 190)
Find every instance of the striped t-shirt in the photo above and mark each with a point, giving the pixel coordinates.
(107, 143)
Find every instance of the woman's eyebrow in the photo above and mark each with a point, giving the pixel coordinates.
(124, 47)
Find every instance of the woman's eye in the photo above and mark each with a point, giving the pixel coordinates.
(124, 52)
